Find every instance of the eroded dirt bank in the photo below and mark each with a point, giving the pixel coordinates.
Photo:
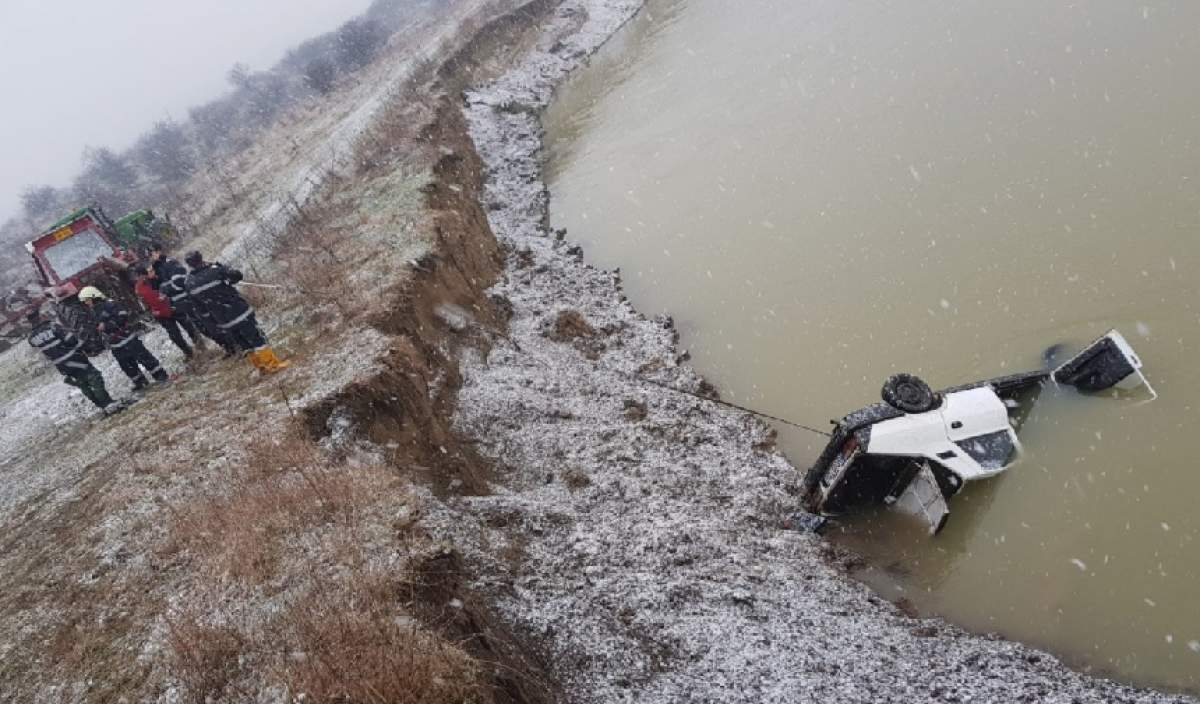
(635, 533)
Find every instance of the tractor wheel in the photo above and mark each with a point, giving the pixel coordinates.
(909, 393)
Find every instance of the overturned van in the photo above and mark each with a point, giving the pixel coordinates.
(917, 449)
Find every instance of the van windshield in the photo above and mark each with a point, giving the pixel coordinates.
(76, 253)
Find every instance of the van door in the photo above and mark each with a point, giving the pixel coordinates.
(922, 499)
(1109, 361)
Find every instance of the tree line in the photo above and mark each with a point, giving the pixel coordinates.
(171, 151)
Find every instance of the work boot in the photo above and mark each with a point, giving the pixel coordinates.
(90, 394)
(100, 394)
(256, 358)
(269, 363)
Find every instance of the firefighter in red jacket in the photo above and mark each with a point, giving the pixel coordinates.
(164, 313)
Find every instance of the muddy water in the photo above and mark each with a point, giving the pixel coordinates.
(826, 193)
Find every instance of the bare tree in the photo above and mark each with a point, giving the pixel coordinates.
(106, 166)
(270, 92)
(263, 93)
(38, 202)
(320, 74)
(358, 41)
(216, 126)
(166, 152)
(107, 180)
(239, 76)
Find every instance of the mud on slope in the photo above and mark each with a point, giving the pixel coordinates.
(651, 563)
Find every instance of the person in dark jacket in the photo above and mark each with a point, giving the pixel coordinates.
(119, 328)
(170, 278)
(65, 352)
(164, 267)
(213, 288)
(160, 307)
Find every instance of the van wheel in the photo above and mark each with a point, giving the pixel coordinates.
(909, 393)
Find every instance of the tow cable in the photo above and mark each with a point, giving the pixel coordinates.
(630, 377)
(642, 380)
(801, 520)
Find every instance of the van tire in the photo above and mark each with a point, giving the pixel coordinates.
(909, 393)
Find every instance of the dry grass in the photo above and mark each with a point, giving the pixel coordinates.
(395, 139)
(343, 632)
(347, 641)
(353, 642)
(285, 489)
(204, 658)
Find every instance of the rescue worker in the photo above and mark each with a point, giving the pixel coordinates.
(164, 266)
(166, 316)
(170, 278)
(211, 286)
(119, 328)
(65, 352)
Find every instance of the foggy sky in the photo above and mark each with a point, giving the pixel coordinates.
(81, 72)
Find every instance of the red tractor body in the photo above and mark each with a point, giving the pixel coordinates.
(74, 250)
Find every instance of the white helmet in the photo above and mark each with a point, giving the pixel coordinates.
(91, 293)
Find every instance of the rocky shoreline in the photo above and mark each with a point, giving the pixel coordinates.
(634, 534)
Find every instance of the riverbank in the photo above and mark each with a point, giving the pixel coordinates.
(635, 534)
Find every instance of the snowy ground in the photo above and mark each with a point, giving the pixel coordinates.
(636, 533)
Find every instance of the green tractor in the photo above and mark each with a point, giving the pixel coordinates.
(142, 227)
(82, 249)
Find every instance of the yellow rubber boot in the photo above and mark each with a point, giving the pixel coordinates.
(271, 363)
(255, 357)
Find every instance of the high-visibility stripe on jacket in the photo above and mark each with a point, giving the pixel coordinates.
(212, 289)
(119, 323)
(52, 340)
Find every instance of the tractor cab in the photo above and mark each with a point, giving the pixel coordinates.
(73, 249)
(81, 250)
